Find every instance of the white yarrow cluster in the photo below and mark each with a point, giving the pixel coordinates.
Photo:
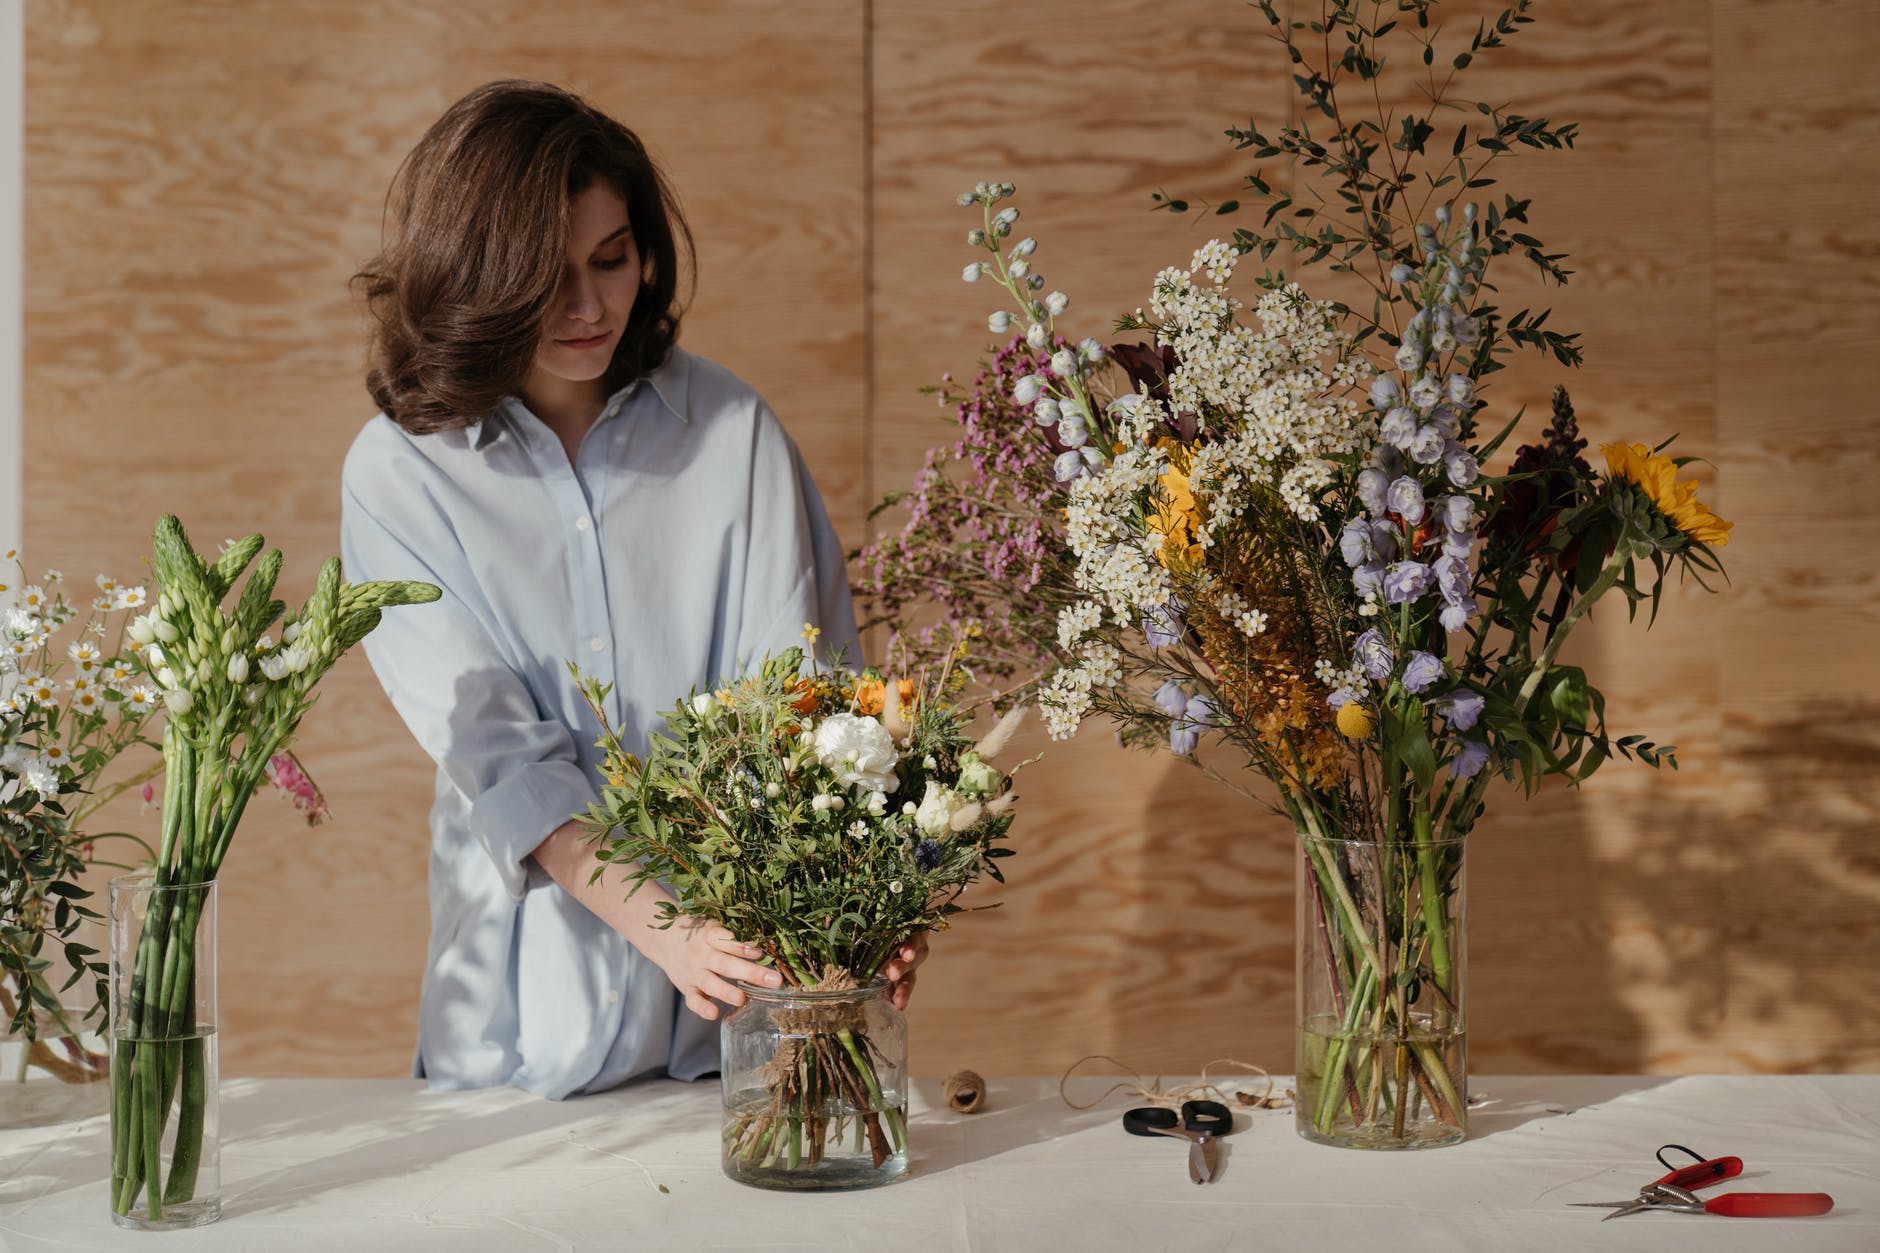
(1283, 390)
(1245, 618)
(1115, 561)
(1076, 621)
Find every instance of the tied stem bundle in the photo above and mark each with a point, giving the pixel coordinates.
(234, 700)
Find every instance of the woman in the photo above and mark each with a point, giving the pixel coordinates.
(581, 488)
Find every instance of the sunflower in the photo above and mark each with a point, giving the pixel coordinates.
(1657, 476)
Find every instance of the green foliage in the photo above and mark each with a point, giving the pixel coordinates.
(1365, 180)
(737, 811)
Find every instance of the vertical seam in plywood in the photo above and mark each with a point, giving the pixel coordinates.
(12, 275)
(868, 261)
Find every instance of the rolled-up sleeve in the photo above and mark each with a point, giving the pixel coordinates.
(462, 699)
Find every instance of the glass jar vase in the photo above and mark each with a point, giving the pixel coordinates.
(815, 1088)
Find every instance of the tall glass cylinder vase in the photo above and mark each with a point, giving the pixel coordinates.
(1382, 988)
(165, 1171)
(815, 1088)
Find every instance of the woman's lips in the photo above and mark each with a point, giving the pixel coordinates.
(593, 341)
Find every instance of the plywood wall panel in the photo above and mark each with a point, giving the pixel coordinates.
(203, 178)
(201, 182)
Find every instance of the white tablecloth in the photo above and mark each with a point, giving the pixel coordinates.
(356, 1165)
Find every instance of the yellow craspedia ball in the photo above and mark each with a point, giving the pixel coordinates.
(1354, 720)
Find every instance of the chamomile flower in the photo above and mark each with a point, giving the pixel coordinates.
(41, 776)
(130, 598)
(33, 598)
(90, 700)
(142, 697)
(39, 689)
(107, 584)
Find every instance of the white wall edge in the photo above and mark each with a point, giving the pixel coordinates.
(12, 267)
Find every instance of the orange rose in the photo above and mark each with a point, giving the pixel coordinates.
(870, 697)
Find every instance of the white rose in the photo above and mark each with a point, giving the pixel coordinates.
(937, 807)
(858, 750)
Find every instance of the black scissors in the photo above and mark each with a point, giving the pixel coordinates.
(1199, 1123)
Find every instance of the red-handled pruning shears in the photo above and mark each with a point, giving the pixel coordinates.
(1676, 1194)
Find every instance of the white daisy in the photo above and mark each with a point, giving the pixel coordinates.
(143, 696)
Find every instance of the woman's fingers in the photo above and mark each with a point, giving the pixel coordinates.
(722, 940)
(903, 988)
(720, 990)
(907, 956)
(701, 1005)
(731, 967)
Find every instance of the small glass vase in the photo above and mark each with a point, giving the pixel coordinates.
(815, 1088)
(55, 1073)
(165, 1169)
(1382, 981)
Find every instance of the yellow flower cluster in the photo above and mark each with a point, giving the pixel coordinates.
(1657, 476)
(1176, 516)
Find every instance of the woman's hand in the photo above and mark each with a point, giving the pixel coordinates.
(900, 970)
(702, 958)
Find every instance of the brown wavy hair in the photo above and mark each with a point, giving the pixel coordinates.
(476, 246)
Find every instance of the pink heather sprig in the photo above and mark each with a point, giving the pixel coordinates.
(981, 536)
(286, 773)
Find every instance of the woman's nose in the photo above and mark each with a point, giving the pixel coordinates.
(579, 301)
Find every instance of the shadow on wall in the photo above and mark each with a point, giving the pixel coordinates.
(1747, 925)
(1734, 931)
(1211, 936)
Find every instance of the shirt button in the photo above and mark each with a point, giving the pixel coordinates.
(596, 644)
(582, 524)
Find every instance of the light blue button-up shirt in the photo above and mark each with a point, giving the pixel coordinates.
(686, 540)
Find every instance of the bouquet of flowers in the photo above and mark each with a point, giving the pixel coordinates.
(71, 704)
(1280, 536)
(823, 817)
(234, 698)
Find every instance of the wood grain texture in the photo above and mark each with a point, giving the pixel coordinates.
(203, 178)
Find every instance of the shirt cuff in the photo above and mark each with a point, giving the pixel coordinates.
(513, 817)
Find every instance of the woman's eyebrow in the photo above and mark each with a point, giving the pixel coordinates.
(625, 229)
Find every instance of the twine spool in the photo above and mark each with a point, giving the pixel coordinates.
(965, 1091)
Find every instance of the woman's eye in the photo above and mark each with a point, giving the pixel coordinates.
(611, 263)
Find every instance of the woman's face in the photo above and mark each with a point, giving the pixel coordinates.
(590, 311)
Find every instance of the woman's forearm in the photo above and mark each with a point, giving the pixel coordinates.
(567, 856)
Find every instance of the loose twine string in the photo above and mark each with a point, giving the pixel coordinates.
(1152, 1092)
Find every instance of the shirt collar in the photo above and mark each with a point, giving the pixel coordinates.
(670, 383)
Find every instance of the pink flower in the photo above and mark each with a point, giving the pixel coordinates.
(285, 773)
